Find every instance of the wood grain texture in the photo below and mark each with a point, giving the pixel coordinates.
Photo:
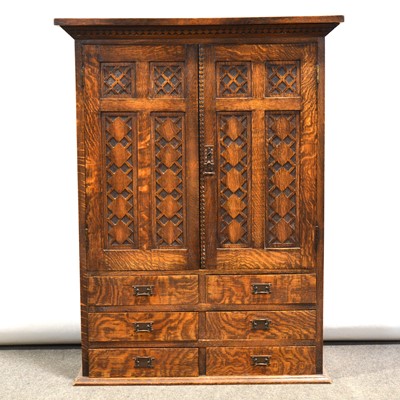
(141, 206)
(283, 189)
(320, 201)
(258, 176)
(202, 307)
(258, 167)
(201, 344)
(119, 133)
(200, 29)
(283, 325)
(166, 326)
(259, 52)
(288, 210)
(142, 260)
(291, 360)
(192, 159)
(278, 103)
(93, 159)
(80, 121)
(206, 380)
(152, 96)
(116, 53)
(197, 21)
(285, 289)
(120, 363)
(118, 290)
(137, 105)
(258, 259)
(210, 192)
(308, 156)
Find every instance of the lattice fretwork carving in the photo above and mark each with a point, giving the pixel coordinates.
(118, 132)
(282, 133)
(233, 79)
(234, 166)
(167, 79)
(168, 136)
(117, 80)
(282, 78)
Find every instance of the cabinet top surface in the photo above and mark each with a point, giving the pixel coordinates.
(335, 19)
(131, 28)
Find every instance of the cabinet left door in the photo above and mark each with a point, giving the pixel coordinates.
(141, 157)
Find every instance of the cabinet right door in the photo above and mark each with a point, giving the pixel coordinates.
(260, 156)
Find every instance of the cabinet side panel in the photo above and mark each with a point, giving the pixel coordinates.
(320, 202)
(82, 204)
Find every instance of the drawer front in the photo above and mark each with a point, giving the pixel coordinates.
(288, 360)
(290, 325)
(139, 326)
(126, 363)
(261, 289)
(142, 290)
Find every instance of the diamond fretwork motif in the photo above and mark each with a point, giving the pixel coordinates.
(282, 132)
(282, 78)
(234, 160)
(168, 136)
(167, 79)
(118, 131)
(117, 80)
(233, 79)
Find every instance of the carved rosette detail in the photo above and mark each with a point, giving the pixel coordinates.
(233, 174)
(282, 134)
(168, 138)
(118, 131)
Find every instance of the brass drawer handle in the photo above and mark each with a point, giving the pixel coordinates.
(261, 288)
(143, 290)
(144, 362)
(259, 361)
(260, 324)
(143, 326)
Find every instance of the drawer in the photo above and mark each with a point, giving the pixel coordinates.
(289, 325)
(142, 290)
(141, 326)
(285, 360)
(126, 363)
(262, 289)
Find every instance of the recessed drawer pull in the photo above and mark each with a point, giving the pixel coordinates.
(261, 288)
(258, 361)
(144, 362)
(141, 290)
(260, 324)
(143, 326)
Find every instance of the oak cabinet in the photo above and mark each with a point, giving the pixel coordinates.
(200, 165)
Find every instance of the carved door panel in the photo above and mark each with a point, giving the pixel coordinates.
(141, 122)
(260, 122)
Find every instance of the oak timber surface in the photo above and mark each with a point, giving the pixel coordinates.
(201, 198)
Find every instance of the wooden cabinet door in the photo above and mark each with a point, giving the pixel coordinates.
(141, 162)
(260, 144)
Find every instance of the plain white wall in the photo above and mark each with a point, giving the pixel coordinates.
(39, 291)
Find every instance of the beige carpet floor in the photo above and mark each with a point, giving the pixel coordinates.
(364, 372)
